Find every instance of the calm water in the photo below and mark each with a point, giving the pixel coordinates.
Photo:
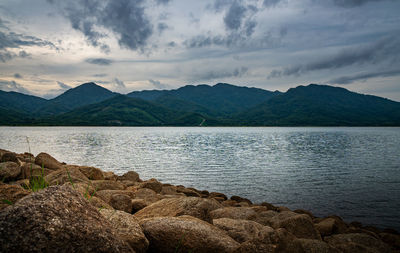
(352, 172)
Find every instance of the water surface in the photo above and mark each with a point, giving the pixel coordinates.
(351, 172)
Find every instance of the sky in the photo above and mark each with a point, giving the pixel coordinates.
(50, 46)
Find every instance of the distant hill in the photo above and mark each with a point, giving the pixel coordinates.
(20, 102)
(85, 94)
(125, 111)
(221, 99)
(202, 105)
(322, 105)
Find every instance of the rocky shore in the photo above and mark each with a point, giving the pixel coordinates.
(84, 209)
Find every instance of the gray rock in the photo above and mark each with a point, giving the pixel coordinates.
(57, 219)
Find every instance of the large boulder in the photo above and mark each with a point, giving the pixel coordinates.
(152, 184)
(196, 207)
(9, 157)
(100, 185)
(331, 225)
(357, 242)
(242, 213)
(147, 195)
(29, 170)
(9, 171)
(62, 176)
(300, 225)
(121, 202)
(129, 176)
(90, 172)
(106, 195)
(109, 175)
(306, 246)
(57, 219)
(9, 194)
(244, 230)
(46, 160)
(128, 229)
(185, 234)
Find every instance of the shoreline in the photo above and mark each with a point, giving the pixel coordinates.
(234, 224)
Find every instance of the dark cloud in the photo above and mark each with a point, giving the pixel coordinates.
(100, 75)
(120, 85)
(17, 75)
(386, 49)
(99, 61)
(171, 44)
(218, 74)
(353, 3)
(351, 79)
(163, 1)
(161, 27)
(125, 18)
(158, 84)
(63, 86)
(271, 3)
(6, 55)
(235, 15)
(13, 86)
(250, 27)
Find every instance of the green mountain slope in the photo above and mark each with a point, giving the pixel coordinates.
(221, 99)
(321, 105)
(124, 111)
(85, 94)
(20, 102)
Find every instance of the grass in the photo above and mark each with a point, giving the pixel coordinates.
(36, 183)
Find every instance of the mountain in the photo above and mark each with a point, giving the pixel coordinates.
(221, 99)
(85, 94)
(322, 105)
(125, 111)
(20, 102)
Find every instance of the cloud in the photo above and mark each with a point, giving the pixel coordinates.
(63, 86)
(161, 27)
(218, 74)
(163, 1)
(352, 3)
(234, 16)
(99, 61)
(17, 75)
(386, 49)
(125, 18)
(100, 75)
(158, 84)
(271, 3)
(351, 79)
(13, 86)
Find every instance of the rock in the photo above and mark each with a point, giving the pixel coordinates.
(282, 209)
(357, 242)
(242, 213)
(9, 194)
(121, 202)
(196, 207)
(185, 234)
(188, 192)
(85, 188)
(24, 183)
(217, 194)
(57, 219)
(138, 204)
(329, 226)
(255, 246)
(9, 157)
(26, 157)
(240, 199)
(46, 160)
(169, 190)
(130, 175)
(391, 239)
(269, 206)
(3, 151)
(9, 171)
(230, 203)
(264, 217)
(244, 230)
(29, 170)
(99, 203)
(106, 195)
(62, 176)
(109, 175)
(152, 184)
(101, 185)
(128, 229)
(307, 246)
(128, 183)
(90, 172)
(299, 224)
(147, 195)
(301, 211)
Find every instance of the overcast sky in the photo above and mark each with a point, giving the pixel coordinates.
(49, 46)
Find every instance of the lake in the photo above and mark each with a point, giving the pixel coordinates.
(350, 172)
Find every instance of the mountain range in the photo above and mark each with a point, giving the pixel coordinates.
(220, 105)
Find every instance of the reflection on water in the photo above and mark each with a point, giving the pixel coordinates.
(352, 172)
